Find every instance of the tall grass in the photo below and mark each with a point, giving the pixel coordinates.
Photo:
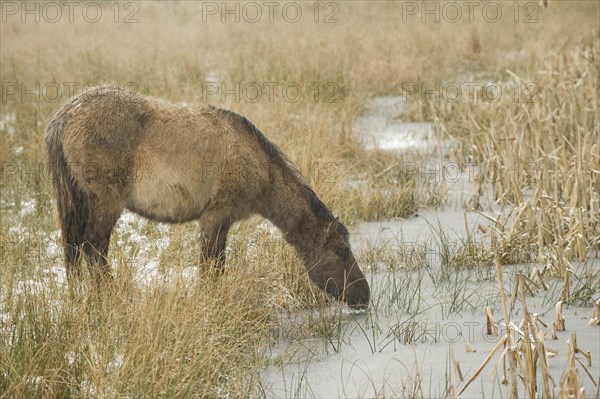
(184, 333)
(539, 157)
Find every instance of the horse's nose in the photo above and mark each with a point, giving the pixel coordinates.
(357, 295)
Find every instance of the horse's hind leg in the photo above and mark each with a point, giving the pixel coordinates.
(102, 218)
(74, 220)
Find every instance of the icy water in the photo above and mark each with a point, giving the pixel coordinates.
(380, 127)
(417, 323)
(420, 318)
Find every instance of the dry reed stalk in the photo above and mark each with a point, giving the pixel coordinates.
(570, 382)
(576, 349)
(559, 320)
(529, 330)
(455, 374)
(468, 347)
(510, 350)
(496, 348)
(542, 356)
(595, 320)
(537, 275)
(491, 326)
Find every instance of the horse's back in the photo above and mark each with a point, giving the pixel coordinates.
(161, 160)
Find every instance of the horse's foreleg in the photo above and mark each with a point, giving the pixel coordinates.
(213, 242)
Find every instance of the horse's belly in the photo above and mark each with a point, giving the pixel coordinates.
(169, 201)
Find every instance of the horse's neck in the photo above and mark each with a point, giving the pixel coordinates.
(288, 208)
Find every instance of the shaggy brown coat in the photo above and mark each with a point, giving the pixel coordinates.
(111, 149)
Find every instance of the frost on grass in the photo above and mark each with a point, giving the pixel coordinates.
(141, 242)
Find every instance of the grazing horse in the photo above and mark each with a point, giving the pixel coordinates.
(111, 149)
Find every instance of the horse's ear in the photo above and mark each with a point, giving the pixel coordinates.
(333, 226)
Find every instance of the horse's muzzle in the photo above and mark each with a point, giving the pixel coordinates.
(357, 294)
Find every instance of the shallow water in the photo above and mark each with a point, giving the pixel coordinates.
(378, 360)
(380, 127)
(403, 345)
(417, 323)
(379, 132)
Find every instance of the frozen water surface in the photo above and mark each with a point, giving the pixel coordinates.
(402, 346)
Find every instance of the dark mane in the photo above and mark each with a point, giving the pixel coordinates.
(275, 154)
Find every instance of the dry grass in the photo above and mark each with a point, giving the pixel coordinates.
(540, 157)
(128, 342)
(185, 333)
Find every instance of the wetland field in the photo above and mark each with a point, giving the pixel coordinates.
(459, 142)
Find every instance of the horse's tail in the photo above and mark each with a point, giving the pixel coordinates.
(72, 201)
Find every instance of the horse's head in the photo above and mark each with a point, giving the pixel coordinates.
(335, 269)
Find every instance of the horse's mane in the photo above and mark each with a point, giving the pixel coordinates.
(275, 154)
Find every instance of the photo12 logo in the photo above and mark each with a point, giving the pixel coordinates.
(253, 92)
(69, 11)
(469, 11)
(472, 92)
(269, 11)
(49, 92)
